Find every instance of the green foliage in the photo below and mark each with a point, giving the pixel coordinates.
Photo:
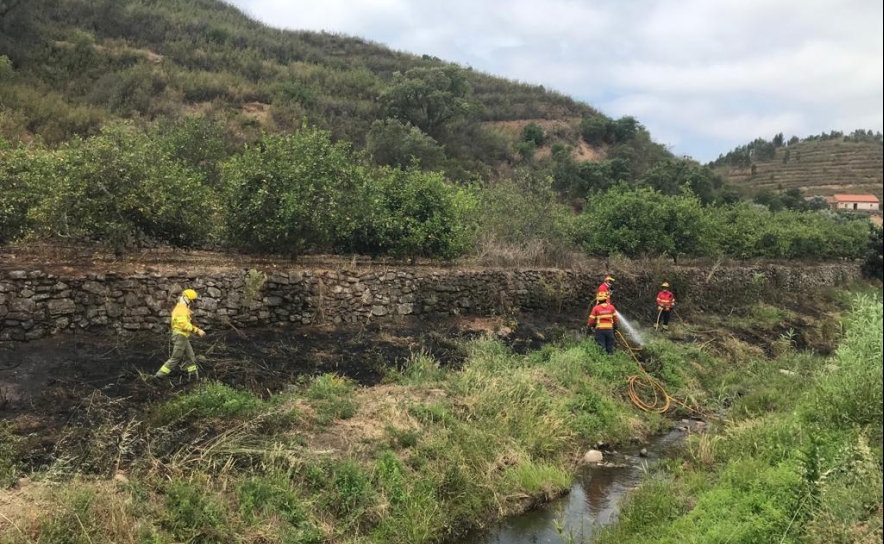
(331, 398)
(8, 466)
(302, 192)
(293, 193)
(533, 133)
(596, 129)
(121, 186)
(420, 368)
(215, 400)
(644, 222)
(260, 496)
(420, 216)
(393, 143)
(798, 461)
(23, 174)
(194, 515)
(873, 266)
(852, 394)
(429, 98)
(673, 176)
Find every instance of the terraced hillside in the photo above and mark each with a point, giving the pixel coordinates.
(818, 167)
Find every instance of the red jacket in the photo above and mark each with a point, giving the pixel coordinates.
(603, 316)
(665, 300)
(603, 288)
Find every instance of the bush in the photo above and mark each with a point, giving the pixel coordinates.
(22, 173)
(121, 186)
(415, 214)
(596, 129)
(533, 133)
(873, 266)
(644, 222)
(294, 193)
(394, 143)
(852, 394)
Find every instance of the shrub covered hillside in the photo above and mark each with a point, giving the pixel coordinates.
(188, 124)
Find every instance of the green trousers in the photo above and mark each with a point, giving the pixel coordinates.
(181, 353)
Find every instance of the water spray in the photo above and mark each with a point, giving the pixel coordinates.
(633, 332)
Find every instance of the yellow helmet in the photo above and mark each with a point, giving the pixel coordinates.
(609, 279)
(666, 284)
(189, 294)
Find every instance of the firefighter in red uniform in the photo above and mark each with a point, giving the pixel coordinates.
(665, 302)
(606, 289)
(603, 320)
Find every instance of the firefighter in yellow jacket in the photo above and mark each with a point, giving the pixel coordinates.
(182, 328)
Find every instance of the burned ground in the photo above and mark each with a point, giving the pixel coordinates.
(67, 385)
(58, 392)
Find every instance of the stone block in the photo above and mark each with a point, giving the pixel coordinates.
(61, 306)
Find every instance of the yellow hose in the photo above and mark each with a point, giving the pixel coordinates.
(643, 382)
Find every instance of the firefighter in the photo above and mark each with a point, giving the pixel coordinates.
(606, 288)
(182, 328)
(603, 321)
(665, 303)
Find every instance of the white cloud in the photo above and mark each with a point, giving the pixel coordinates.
(703, 75)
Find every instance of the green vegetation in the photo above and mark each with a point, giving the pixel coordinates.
(799, 459)
(188, 124)
(433, 450)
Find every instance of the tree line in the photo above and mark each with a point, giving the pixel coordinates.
(303, 192)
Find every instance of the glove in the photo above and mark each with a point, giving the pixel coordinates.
(659, 308)
(200, 333)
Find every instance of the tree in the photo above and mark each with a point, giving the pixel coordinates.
(294, 193)
(595, 129)
(644, 222)
(533, 133)
(121, 186)
(393, 143)
(672, 176)
(23, 173)
(794, 140)
(429, 98)
(420, 215)
(778, 140)
(625, 129)
(873, 266)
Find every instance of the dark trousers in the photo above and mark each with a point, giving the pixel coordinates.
(605, 338)
(664, 317)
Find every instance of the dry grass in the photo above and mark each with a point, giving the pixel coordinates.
(492, 253)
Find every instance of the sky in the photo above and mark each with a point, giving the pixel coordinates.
(702, 75)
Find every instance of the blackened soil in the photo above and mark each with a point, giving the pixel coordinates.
(49, 386)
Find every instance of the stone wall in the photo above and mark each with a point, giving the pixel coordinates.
(34, 304)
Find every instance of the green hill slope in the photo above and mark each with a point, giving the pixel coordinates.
(74, 65)
(817, 166)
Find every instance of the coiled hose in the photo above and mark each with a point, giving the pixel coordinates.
(644, 382)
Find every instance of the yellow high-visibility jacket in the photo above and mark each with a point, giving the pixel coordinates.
(181, 320)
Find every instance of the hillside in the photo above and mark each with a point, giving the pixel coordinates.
(75, 65)
(816, 166)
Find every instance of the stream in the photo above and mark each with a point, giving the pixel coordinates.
(592, 502)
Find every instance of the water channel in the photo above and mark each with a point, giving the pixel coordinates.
(592, 502)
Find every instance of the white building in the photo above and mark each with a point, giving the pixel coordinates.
(867, 203)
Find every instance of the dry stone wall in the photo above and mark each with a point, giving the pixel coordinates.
(34, 304)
